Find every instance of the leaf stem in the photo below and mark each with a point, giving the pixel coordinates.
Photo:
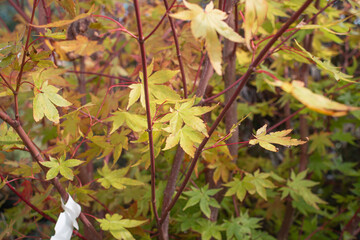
(102, 75)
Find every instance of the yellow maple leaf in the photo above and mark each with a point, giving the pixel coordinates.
(204, 25)
(62, 23)
(82, 46)
(316, 102)
(255, 15)
(267, 140)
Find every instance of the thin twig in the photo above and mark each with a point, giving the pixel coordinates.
(181, 65)
(348, 224)
(122, 28)
(160, 22)
(102, 75)
(7, 83)
(19, 77)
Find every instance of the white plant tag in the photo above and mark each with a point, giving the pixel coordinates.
(67, 220)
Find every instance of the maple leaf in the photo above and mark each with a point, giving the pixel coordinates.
(115, 143)
(223, 167)
(327, 66)
(26, 169)
(208, 229)
(241, 227)
(188, 114)
(239, 187)
(9, 138)
(62, 23)
(45, 101)
(118, 226)
(299, 187)
(82, 193)
(187, 138)
(135, 122)
(158, 92)
(252, 184)
(319, 142)
(266, 140)
(255, 15)
(313, 101)
(204, 25)
(116, 178)
(60, 165)
(52, 75)
(69, 6)
(82, 46)
(260, 182)
(202, 197)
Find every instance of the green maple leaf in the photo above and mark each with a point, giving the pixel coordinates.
(299, 187)
(82, 193)
(202, 197)
(252, 184)
(208, 229)
(261, 182)
(118, 226)
(26, 169)
(9, 138)
(241, 227)
(187, 220)
(319, 142)
(45, 101)
(71, 123)
(119, 141)
(61, 165)
(187, 138)
(158, 92)
(113, 144)
(135, 122)
(239, 187)
(327, 66)
(116, 178)
(347, 168)
(188, 114)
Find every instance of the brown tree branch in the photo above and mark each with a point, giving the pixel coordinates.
(147, 103)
